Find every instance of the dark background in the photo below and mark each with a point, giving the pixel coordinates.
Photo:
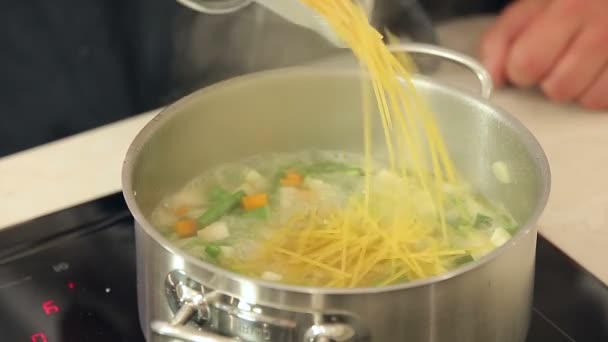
(70, 65)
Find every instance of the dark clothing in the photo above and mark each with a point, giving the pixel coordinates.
(68, 66)
(445, 9)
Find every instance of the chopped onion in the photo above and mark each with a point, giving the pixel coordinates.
(255, 180)
(500, 237)
(164, 219)
(501, 172)
(214, 232)
(188, 196)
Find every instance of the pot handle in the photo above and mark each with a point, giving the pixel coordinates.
(177, 329)
(189, 334)
(459, 58)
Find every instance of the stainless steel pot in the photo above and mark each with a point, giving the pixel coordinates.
(319, 107)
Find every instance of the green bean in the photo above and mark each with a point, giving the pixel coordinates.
(482, 221)
(217, 193)
(461, 260)
(332, 167)
(221, 208)
(259, 213)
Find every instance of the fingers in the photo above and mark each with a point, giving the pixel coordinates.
(579, 66)
(497, 41)
(596, 96)
(561, 45)
(538, 48)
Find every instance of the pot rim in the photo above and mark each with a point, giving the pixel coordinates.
(167, 113)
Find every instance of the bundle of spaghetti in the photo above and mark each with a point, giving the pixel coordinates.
(409, 125)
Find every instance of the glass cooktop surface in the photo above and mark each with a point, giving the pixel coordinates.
(70, 277)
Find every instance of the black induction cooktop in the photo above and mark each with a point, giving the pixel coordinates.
(70, 277)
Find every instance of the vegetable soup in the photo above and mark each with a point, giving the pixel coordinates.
(305, 218)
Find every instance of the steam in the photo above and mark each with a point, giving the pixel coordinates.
(210, 48)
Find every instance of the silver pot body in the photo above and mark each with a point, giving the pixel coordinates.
(302, 108)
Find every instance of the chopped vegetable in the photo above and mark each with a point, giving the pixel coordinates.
(256, 181)
(292, 178)
(500, 236)
(282, 173)
(295, 174)
(507, 222)
(164, 219)
(214, 232)
(256, 201)
(501, 172)
(221, 208)
(185, 228)
(461, 260)
(217, 193)
(332, 167)
(213, 251)
(482, 221)
(259, 213)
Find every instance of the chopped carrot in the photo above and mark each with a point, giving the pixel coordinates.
(292, 178)
(256, 201)
(185, 228)
(182, 210)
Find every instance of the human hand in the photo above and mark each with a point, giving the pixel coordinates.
(559, 45)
